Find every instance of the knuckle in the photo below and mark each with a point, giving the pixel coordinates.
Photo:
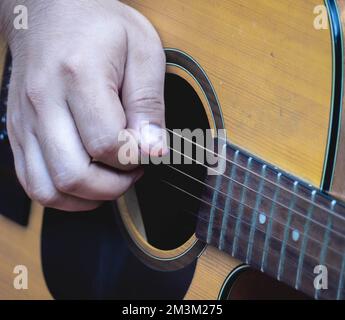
(73, 66)
(69, 182)
(35, 92)
(13, 121)
(155, 57)
(44, 196)
(100, 147)
(147, 100)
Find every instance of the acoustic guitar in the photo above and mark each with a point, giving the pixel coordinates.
(270, 72)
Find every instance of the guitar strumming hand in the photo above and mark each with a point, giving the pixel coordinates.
(274, 82)
(82, 72)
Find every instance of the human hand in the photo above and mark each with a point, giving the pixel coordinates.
(82, 72)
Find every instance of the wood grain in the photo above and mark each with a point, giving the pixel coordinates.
(254, 216)
(21, 246)
(271, 69)
(211, 271)
(272, 72)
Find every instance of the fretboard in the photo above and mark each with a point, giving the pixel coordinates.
(277, 224)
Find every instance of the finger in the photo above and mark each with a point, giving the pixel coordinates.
(19, 160)
(40, 186)
(143, 86)
(69, 164)
(96, 108)
(13, 122)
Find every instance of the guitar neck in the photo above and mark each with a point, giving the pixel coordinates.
(277, 224)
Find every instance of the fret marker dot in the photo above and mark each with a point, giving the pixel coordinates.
(262, 218)
(295, 235)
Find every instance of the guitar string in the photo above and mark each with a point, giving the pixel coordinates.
(242, 220)
(275, 253)
(258, 175)
(270, 199)
(251, 208)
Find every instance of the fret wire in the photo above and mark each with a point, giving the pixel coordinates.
(240, 213)
(233, 216)
(286, 234)
(304, 242)
(255, 216)
(230, 215)
(270, 223)
(227, 204)
(341, 280)
(323, 253)
(214, 202)
(274, 253)
(244, 204)
(268, 198)
(252, 172)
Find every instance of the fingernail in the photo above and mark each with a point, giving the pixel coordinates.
(154, 138)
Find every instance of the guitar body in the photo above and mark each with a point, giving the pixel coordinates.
(259, 69)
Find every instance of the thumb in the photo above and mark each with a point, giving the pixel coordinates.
(143, 90)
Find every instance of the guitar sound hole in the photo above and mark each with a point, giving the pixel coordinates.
(169, 215)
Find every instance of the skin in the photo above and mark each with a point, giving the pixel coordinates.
(83, 72)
